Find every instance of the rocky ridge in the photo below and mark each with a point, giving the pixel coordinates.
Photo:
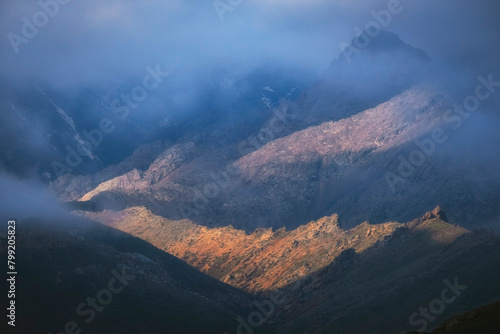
(265, 259)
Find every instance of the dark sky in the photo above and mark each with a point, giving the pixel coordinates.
(104, 41)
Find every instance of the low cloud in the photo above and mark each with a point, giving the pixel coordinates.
(93, 41)
(23, 199)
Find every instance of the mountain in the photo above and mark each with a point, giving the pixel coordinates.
(314, 197)
(79, 274)
(250, 167)
(362, 144)
(85, 129)
(260, 261)
(389, 288)
(304, 173)
(355, 81)
(337, 166)
(63, 132)
(360, 167)
(370, 278)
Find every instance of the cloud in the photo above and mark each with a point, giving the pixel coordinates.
(110, 43)
(23, 199)
(95, 41)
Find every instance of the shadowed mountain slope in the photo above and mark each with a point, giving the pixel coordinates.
(62, 265)
(389, 287)
(481, 320)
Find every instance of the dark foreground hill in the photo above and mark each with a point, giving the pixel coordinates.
(79, 275)
(481, 320)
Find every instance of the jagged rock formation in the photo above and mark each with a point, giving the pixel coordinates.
(265, 259)
(437, 213)
(383, 289)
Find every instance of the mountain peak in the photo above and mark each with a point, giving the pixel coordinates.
(437, 213)
(328, 224)
(384, 41)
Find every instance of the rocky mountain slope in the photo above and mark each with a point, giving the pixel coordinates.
(304, 173)
(338, 166)
(389, 287)
(363, 152)
(263, 260)
(370, 278)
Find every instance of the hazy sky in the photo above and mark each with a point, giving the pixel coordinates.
(103, 41)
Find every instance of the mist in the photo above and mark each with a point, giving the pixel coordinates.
(92, 42)
(207, 48)
(24, 199)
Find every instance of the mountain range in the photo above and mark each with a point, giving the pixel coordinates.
(360, 145)
(364, 201)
